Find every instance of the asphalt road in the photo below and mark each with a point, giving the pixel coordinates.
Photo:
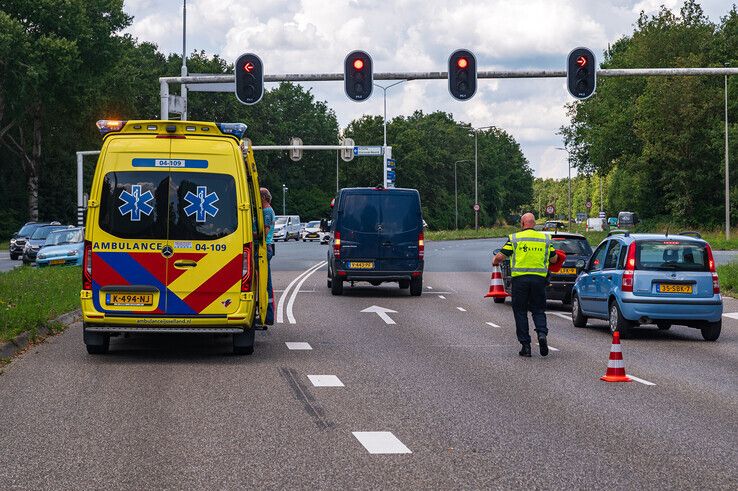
(443, 381)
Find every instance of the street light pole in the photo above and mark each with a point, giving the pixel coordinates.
(284, 200)
(456, 193)
(385, 152)
(476, 175)
(727, 168)
(569, 162)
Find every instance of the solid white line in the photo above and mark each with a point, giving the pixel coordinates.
(290, 315)
(280, 306)
(441, 297)
(731, 315)
(325, 381)
(640, 380)
(298, 345)
(380, 442)
(560, 314)
(492, 324)
(461, 309)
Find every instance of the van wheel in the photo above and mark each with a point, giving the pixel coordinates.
(711, 330)
(328, 282)
(336, 286)
(577, 317)
(618, 322)
(404, 284)
(243, 343)
(416, 286)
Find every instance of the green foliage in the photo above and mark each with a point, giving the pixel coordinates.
(31, 297)
(728, 275)
(470, 233)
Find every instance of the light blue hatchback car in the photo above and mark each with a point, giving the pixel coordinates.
(62, 247)
(634, 279)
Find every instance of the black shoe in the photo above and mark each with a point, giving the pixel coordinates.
(525, 350)
(543, 345)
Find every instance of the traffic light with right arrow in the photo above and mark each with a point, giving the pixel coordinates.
(581, 74)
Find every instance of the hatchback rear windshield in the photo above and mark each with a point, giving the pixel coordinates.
(671, 255)
(60, 237)
(573, 247)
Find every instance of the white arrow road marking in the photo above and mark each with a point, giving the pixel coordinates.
(640, 380)
(382, 313)
(492, 324)
(280, 306)
(290, 315)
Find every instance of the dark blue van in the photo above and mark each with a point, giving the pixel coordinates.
(377, 237)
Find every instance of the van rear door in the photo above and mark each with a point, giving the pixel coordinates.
(359, 229)
(400, 229)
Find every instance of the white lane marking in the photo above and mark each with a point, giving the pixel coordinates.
(290, 315)
(560, 314)
(325, 381)
(301, 291)
(640, 380)
(380, 442)
(295, 345)
(492, 324)
(429, 287)
(462, 309)
(280, 305)
(550, 347)
(381, 312)
(441, 297)
(731, 315)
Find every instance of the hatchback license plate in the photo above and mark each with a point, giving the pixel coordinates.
(57, 261)
(361, 264)
(672, 288)
(129, 299)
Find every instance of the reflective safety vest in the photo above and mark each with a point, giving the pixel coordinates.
(530, 252)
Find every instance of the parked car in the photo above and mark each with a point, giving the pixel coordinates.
(287, 227)
(635, 279)
(578, 251)
(311, 231)
(37, 240)
(377, 237)
(62, 247)
(612, 222)
(325, 235)
(627, 219)
(19, 239)
(554, 225)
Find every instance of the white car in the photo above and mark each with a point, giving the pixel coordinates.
(311, 231)
(287, 227)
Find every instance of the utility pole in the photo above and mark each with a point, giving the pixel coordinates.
(184, 57)
(456, 194)
(569, 162)
(284, 199)
(476, 175)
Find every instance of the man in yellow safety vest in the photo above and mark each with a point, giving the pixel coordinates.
(530, 253)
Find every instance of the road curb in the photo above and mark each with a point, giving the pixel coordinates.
(8, 349)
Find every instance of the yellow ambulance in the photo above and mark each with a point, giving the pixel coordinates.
(174, 238)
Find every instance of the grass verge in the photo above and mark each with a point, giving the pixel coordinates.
(728, 275)
(31, 297)
(469, 233)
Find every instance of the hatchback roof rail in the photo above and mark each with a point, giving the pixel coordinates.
(691, 233)
(619, 232)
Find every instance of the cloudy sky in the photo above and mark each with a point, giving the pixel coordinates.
(314, 36)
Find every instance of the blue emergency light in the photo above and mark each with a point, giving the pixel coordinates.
(106, 126)
(235, 129)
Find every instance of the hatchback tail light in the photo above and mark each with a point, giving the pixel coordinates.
(87, 266)
(630, 266)
(246, 270)
(713, 270)
(421, 246)
(337, 245)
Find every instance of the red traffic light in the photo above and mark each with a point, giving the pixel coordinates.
(462, 62)
(581, 61)
(358, 63)
(248, 67)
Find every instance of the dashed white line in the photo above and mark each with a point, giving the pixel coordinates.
(492, 324)
(441, 297)
(462, 309)
(380, 442)
(560, 314)
(640, 380)
(325, 381)
(731, 315)
(550, 347)
(429, 287)
(298, 346)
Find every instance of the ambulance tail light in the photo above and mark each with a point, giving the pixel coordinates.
(246, 270)
(421, 245)
(630, 266)
(711, 264)
(337, 245)
(87, 266)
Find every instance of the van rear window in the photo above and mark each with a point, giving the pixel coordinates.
(396, 213)
(153, 205)
(360, 212)
(671, 255)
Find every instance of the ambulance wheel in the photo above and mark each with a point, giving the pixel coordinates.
(96, 343)
(499, 299)
(416, 286)
(243, 343)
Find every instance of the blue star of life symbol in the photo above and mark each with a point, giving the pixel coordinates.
(201, 204)
(136, 203)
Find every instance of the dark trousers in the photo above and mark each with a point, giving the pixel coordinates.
(529, 293)
(270, 309)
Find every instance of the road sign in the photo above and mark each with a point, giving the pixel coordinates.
(347, 154)
(368, 151)
(476, 207)
(603, 214)
(177, 104)
(390, 172)
(550, 210)
(295, 153)
(589, 205)
(581, 216)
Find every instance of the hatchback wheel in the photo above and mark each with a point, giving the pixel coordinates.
(577, 317)
(618, 322)
(663, 326)
(711, 330)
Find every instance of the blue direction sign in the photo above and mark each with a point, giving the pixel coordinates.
(368, 151)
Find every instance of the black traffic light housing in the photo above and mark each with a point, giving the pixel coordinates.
(581, 73)
(249, 78)
(462, 74)
(358, 76)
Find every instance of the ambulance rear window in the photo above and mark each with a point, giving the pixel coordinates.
(133, 205)
(202, 206)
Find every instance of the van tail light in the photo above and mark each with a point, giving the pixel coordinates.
(630, 266)
(421, 245)
(713, 270)
(337, 245)
(87, 266)
(246, 270)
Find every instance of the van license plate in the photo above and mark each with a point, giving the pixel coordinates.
(129, 299)
(361, 264)
(672, 288)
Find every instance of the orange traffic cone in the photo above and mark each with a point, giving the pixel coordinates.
(496, 285)
(615, 365)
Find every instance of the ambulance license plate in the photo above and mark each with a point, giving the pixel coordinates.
(129, 299)
(361, 264)
(568, 271)
(672, 288)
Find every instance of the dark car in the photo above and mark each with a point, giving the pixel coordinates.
(19, 239)
(578, 251)
(377, 236)
(37, 241)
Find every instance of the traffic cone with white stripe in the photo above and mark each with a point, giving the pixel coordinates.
(496, 284)
(615, 365)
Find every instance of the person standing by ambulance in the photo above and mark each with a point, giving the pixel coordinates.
(530, 254)
(269, 218)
